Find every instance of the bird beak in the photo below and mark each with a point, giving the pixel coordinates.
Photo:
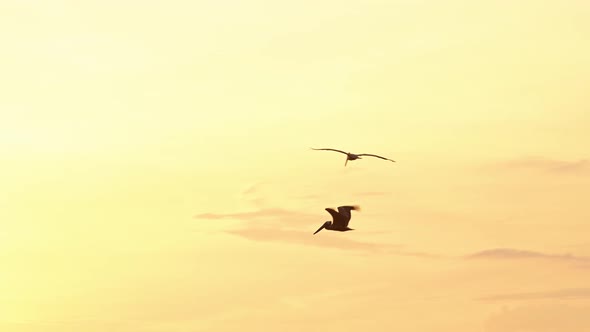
(319, 229)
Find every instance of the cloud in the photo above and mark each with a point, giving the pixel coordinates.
(280, 225)
(302, 237)
(251, 194)
(547, 165)
(546, 318)
(275, 224)
(252, 189)
(257, 214)
(515, 254)
(560, 294)
(326, 241)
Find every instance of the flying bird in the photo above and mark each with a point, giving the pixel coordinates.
(352, 156)
(340, 219)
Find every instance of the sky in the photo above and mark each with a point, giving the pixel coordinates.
(157, 173)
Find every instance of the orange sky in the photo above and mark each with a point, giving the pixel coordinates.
(157, 177)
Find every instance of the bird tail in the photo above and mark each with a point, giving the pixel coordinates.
(356, 207)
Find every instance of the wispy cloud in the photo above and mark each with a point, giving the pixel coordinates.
(258, 214)
(541, 318)
(275, 224)
(251, 194)
(547, 165)
(252, 189)
(515, 254)
(570, 293)
(280, 225)
(302, 237)
(327, 241)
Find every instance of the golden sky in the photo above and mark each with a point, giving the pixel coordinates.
(157, 177)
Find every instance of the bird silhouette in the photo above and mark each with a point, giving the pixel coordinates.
(340, 219)
(353, 156)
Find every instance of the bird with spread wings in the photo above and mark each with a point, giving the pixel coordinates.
(340, 218)
(353, 156)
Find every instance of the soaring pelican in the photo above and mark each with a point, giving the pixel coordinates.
(352, 156)
(340, 219)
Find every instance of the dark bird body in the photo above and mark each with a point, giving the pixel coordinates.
(352, 156)
(340, 219)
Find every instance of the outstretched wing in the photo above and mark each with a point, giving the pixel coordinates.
(374, 155)
(344, 211)
(331, 150)
(338, 220)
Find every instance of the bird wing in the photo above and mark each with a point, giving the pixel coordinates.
(338, 220)
(331, 150)
(374, 155)
(345, 212)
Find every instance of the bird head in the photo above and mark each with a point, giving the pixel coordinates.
(327, 223)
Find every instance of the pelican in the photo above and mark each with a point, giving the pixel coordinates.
(352, 156)
(340, 219)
